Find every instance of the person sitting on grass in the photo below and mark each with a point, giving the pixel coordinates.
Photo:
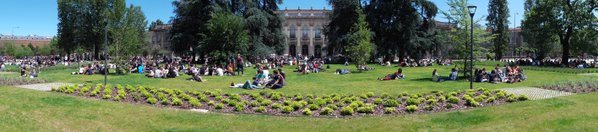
(281, 73)
(277, 81)
(454, 74)
(435, 76)
(197, 77)
(260, 77)
(23, 71)
(151, 73)
(395, 76)
(33, 73)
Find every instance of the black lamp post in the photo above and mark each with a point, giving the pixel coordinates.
(105, 54)
(471, 10)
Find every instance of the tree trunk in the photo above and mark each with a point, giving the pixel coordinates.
(566, 43)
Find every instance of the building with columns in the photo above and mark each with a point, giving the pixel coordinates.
(304, 31)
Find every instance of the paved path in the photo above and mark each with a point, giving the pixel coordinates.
(43, 86)
(536, 93)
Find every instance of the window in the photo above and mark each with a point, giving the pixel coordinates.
(292, 32)
(318, 33)
(305, 32)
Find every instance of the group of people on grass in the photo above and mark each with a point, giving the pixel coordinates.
(510, 74)
(263, 80)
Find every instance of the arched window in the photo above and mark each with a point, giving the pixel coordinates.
(292, 31)
(318, 33)
(292, 50)
(318, 51)
(304, 50)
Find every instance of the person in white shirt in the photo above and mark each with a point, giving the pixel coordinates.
(220, 71)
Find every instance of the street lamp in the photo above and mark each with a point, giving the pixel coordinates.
(471, 10)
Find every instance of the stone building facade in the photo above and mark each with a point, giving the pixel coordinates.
(159, 37)
(304, 31)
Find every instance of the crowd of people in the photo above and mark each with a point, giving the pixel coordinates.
(576, 63)
(510, 74)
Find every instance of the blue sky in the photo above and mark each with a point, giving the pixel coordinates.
(39, 17)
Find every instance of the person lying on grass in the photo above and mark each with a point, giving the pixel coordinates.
(395, 76)
(246, 85)
(277, 82)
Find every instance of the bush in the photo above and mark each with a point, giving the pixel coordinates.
(414, 101)
(266, 102)
(432, 101)
(347, 111)
(287, 109)
(313, 107)
(326, 111)
(298, 97)
(276, 106)
(211, 103)
(176, 101)
(370, 94)
(152, 100)
(389, 110)
(236, 97)
(239, 108)
(411, 108)
(333, 107)
(321, 102)
(377, 101)
(366, 109)
(275, 97)
(490, 100)
(391, 103)
(522, 98)
(297, 105)
(453, 100)
(307, 111)
(195, 103)
(260, 109)
(254, 104)
(219, 106)
(107, 96)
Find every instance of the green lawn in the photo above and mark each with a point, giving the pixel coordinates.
(22, 109)
(418, 80)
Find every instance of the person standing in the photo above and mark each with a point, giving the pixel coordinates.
(239, 62)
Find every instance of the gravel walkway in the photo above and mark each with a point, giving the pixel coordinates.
(536, 93)
(43, 86)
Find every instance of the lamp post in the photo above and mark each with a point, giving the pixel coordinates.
(471, 10)
(106, 68)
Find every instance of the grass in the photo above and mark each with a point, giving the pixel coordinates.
(22, 109)
(418, 80)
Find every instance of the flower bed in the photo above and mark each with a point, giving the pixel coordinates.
(276, 103)
(574, 87)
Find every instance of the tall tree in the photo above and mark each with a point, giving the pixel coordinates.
(460, 35)
(189, 25)
(542, 43)
(562, 18)
(397, 23)
(343, 17)
(227, 36)
(360, 47)
(498, 23)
